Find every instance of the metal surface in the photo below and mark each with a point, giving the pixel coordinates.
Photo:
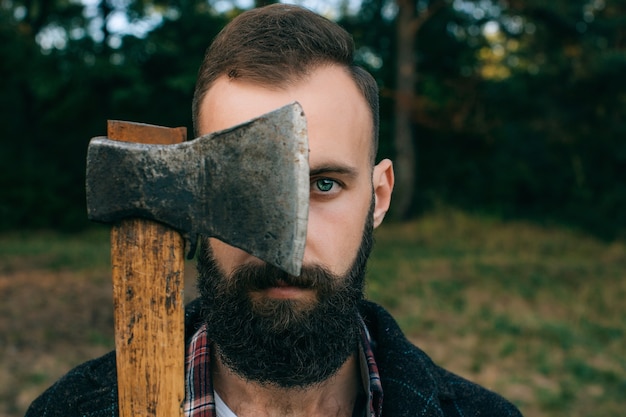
(247, 186)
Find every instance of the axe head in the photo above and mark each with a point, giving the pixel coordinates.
(247, 186)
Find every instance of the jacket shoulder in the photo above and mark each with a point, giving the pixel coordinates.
(89, 389)
(466, 398)
(414, 385)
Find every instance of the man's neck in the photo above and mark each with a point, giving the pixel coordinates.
(333, 397)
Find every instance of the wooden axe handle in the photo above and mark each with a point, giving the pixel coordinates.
(147, 269)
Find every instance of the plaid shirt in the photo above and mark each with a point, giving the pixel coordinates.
(200, 398)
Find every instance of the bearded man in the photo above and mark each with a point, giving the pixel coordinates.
(263, 343)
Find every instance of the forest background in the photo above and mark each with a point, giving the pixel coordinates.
(514, 108)
(505, 256)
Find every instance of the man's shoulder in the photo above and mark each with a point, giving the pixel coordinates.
(414, 385)
(90, 389)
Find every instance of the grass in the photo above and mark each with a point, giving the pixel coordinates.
(534, 313)
(55, 251)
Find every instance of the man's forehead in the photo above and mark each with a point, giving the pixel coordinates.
(242, 99)
(230, 102)
(338, 118)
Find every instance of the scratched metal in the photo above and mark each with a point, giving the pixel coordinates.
(247, 186)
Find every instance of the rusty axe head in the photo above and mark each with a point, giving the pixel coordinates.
(247, 186)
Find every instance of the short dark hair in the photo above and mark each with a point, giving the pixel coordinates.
(279, 45)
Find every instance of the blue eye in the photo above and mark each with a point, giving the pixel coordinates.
(324, 184)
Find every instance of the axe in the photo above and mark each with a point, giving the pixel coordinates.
(247, 186)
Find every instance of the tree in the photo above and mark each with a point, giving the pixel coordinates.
(517, 106)
(408, 24)
(67, 71)
(569, 57)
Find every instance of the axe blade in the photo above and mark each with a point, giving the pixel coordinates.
(247, 186)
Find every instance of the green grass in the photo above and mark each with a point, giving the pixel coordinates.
(55, 251)
(536, 314)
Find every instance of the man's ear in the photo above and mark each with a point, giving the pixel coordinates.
(382, 182)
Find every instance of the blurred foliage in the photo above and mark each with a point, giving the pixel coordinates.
(518, 108)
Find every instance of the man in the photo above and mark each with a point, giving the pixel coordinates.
(261, 342)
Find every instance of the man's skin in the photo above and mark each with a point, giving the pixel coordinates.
(343, 182)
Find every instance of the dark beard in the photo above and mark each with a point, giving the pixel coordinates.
(283, 343)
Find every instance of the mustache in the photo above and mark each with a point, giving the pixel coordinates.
(261, 277)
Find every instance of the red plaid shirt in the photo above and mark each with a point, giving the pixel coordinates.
(200, 398)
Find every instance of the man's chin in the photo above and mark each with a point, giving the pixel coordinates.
(282, 330)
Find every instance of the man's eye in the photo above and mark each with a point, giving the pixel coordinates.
(324, 184)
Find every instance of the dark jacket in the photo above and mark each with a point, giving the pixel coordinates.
(412, 384)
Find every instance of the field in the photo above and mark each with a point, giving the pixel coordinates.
(537, 314)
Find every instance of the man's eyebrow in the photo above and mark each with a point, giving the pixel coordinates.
(333, 169)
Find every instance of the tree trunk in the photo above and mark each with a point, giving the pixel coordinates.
(405, 159)
(408, 23)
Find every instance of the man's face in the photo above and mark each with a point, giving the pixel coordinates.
(339, 129)
(289, 343)
(297, 331)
